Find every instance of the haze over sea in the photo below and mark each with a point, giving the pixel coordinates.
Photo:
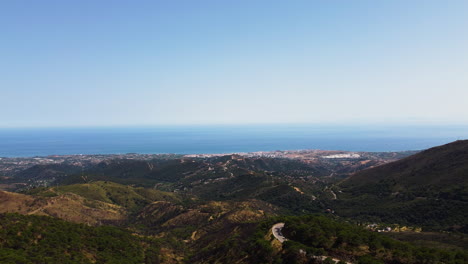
(27, 142)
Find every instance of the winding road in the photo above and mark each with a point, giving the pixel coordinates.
(276, 230)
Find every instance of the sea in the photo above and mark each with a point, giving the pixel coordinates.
(31, 142)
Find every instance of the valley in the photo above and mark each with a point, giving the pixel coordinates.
(221, 208)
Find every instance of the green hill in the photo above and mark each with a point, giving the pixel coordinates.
(41, 239)
(320, 235)
(126, 196)
(428, 189)
(444, 168)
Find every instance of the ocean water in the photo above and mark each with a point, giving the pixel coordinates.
(221, 139)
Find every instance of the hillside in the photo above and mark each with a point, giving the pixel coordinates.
(318, 235)
(220, 209)
(67, 206)
(429, 189)
(128, 197)
(41, 239)
(441, 167)
(184, 227)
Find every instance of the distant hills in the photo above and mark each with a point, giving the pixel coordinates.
(220, 209)
(23, 173)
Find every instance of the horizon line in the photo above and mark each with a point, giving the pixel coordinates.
(257, 124)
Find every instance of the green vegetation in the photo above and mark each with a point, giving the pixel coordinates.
(443, 240)
(136, 172)
(292, 202)
(321, 236)
(132, 198)
(429, 189)
(214, 210)
(40, 239)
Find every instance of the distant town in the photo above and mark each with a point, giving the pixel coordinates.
(10, 166)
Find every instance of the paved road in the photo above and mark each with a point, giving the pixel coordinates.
(276, 230)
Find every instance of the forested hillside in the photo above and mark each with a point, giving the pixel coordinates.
(429, 189)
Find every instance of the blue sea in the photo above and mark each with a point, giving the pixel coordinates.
(221, 139)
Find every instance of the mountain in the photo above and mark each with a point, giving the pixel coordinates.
(428, 189)
(441, 167)
(221, 209)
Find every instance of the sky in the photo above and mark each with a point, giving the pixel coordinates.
(175, 62)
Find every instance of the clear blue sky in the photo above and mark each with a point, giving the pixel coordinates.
(88, 63)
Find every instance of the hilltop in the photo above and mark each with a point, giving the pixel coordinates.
(429, 189)
(441, 167)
